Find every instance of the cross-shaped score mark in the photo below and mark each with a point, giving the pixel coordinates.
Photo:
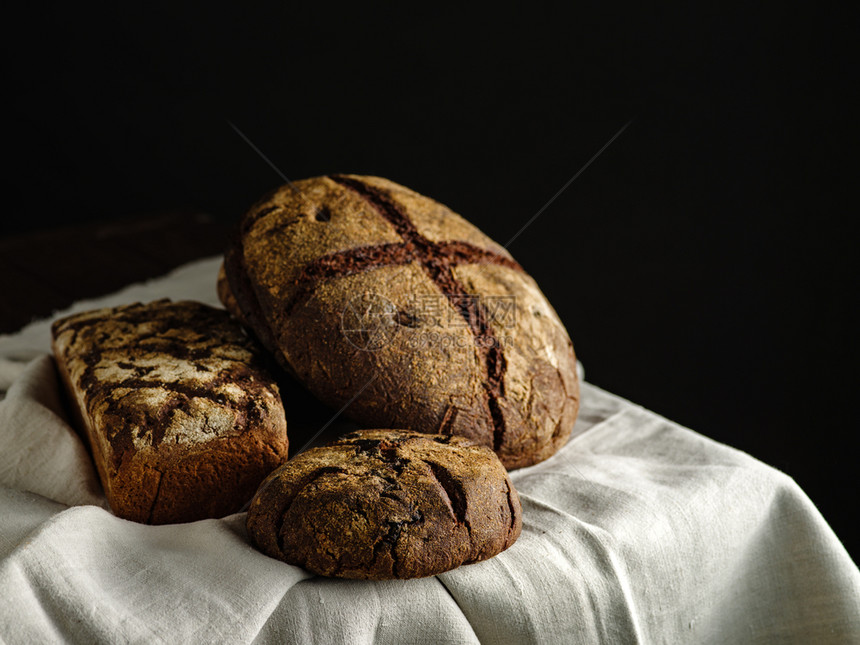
(437, 259)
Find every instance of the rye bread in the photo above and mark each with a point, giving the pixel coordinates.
(379, 504)
(380, 298)
(182, 417)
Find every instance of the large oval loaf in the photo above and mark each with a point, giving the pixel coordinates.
(182, 417)
(380, 504)
(375, 296)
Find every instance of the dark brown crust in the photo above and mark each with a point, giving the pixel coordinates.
(241, 298)
(380, 504)
(438, 267)
(225, 295)
(141, 375)
(293, 275)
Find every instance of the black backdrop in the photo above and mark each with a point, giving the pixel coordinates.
(700, 263)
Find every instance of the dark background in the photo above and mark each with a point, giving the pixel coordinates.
(701, 264)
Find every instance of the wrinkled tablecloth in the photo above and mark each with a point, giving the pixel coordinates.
(637, 531)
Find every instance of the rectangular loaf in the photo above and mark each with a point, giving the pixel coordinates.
(182, 417)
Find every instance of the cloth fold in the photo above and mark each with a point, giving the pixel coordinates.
(41, 452)
(637, 531)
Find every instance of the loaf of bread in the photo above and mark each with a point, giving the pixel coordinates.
(375, 296)
(380, 504)
(181, 415)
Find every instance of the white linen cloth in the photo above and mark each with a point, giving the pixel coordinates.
(637, 531)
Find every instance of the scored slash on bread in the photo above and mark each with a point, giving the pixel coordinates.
(181, 415)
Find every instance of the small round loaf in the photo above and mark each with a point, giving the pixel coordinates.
(379, 504)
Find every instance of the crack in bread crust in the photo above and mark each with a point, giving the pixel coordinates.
(453, 490)
(307, 481)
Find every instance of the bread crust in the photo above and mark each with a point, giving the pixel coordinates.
(381, 504)
(307, 254)
(182, 417)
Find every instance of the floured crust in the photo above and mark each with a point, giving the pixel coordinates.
(381, 504)
(181, 415)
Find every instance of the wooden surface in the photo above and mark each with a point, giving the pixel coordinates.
(47, 270)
